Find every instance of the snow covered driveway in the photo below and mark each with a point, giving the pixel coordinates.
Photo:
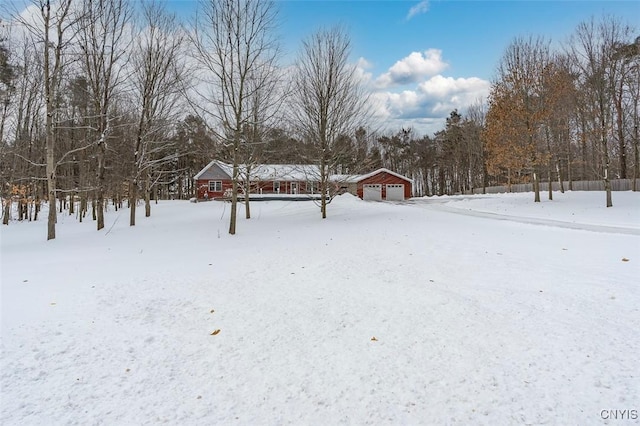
(596, 218)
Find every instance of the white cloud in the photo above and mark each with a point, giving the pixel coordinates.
(453, 88)
(418, 9)
(364, 64)
(363, 75)
(426, 108)
(413, 68)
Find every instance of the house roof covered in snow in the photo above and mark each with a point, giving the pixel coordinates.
(264, 172)
(283, 172)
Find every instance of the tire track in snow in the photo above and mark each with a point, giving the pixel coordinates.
(439, 205)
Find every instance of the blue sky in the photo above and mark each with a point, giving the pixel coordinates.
(424, 58)
(471, 34)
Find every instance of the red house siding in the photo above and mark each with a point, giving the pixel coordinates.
(202, 186)
(262, 187)
(286, 187)
(384, 178)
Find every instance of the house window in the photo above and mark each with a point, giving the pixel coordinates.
(215, 186)
(311, 187)
(276, 187)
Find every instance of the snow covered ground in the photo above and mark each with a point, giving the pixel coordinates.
(451, 310)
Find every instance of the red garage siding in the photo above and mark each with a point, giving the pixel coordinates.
(383, 178)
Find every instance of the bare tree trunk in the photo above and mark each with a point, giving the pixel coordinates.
(569, 160)
(560, 182)
(234, 195)
(323, 187)
(584, 152)
(147, 196)
(50, 84)
(549, 163)
(72, 203)
(636, 154)
(536, 187)
(247, 186)
(6, 211)
(605, 154)
(622, 146)
(35, 216)
(133, 195)
(100, 189)
(84, 206)
(636, 166)
(485, 173)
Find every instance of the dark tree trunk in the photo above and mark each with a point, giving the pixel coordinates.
(133, 195)
(147, 197)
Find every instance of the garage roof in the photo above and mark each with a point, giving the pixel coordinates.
(358, 178)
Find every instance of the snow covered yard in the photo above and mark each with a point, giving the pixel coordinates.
(452, 310)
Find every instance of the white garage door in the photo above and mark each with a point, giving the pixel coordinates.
(395, 192)
(372, 192)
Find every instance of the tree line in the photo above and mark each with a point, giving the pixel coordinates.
(111, 103)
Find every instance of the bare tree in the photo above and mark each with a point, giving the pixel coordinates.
(329, 100)
(264, 109)
(476, 119)
(103, 43)
(7, 90)
(52, 30)
(157, 76)
(7, 87)
(593, 53)
(634, 95)
(22, 155)
(628, 55)
(235, 44)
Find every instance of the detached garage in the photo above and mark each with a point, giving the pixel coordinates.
(383, 184)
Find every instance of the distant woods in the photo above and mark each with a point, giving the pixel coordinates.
(103, 105)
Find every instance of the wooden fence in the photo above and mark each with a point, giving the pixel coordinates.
(578, 185)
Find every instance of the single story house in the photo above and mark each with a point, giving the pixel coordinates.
(285, 180)
(299, 181)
